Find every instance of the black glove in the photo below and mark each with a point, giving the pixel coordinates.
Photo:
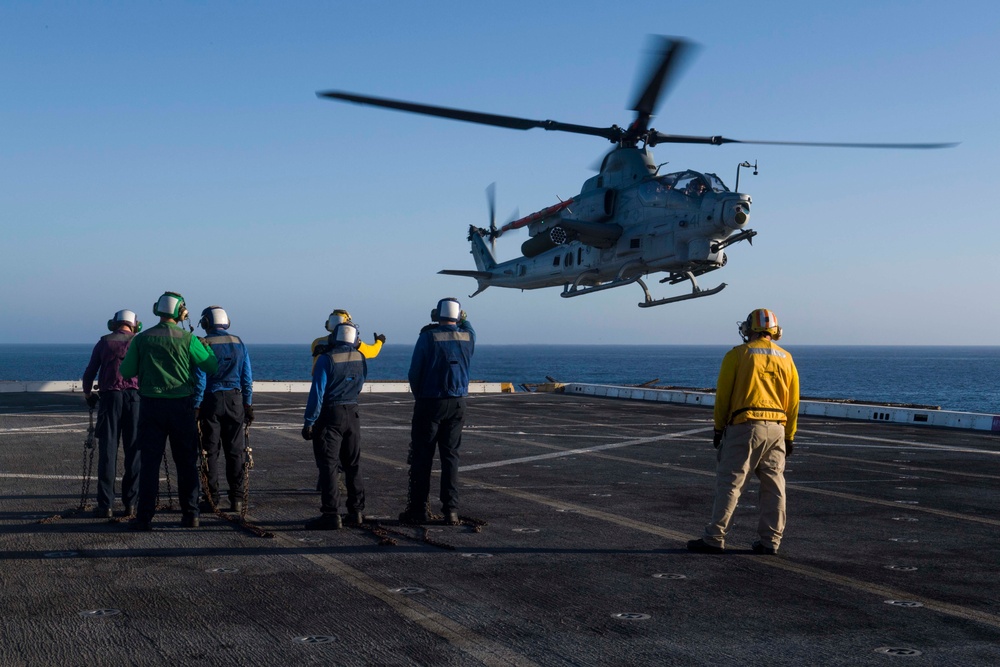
(248, 413)
(789, 447)
(380, 338)
(307, 432)
(92, 400)
(717, 438)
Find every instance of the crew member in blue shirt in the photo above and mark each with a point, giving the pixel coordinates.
(225, 401)
(439, 380)
(333, 425)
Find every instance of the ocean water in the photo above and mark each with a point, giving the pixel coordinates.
(953, 378)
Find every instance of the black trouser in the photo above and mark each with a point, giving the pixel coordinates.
(337, 446)
(160, 418)
(117, 418)
(437, 423)
(222, 429)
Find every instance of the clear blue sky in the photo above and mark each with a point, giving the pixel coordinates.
(153, 146)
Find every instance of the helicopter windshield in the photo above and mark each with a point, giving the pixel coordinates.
(715, 183)
(688, 183)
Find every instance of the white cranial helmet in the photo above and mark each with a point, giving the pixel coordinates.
(124, 317)
(214, 317)
(346, 333)
(449, 309)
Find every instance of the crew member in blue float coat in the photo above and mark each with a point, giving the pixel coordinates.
(333, 425)
(756, 415)
(322, 344)
(165, 358)
(439, 380)
(225, 401)
(118, 414)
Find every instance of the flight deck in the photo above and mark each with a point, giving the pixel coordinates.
(576, 510)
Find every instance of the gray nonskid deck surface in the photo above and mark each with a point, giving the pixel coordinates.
(589, 504)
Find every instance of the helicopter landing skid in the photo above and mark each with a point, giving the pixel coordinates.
(696, 293)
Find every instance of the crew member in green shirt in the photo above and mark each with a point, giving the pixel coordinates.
(164, 359)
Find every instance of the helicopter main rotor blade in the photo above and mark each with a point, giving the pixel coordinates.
(673, 52)
(611, 133)
(660, 138)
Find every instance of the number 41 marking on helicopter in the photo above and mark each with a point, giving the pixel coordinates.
(629, 220)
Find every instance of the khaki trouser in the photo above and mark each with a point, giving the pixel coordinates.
(757, 446)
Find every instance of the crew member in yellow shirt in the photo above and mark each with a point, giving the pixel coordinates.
(339, 316)
(756, 411)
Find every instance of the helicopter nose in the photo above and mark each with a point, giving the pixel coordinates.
(737, 215)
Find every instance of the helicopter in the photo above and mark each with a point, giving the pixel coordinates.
(629, 220)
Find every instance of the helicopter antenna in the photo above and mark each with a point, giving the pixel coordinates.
(746, 164)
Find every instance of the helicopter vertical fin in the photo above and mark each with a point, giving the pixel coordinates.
(485, 261)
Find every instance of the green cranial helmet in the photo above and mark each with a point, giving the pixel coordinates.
(171, 305)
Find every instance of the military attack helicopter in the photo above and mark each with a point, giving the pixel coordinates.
(629, 220)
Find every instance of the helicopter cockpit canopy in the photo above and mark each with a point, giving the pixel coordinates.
(689, 183)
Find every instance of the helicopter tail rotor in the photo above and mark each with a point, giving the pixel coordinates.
(491, 198)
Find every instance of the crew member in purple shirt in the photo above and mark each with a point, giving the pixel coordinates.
(117, 415)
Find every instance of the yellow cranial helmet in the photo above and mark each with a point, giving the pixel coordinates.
(338, 316)
(761, 320)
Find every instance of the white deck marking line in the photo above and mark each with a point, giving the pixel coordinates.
(904, 466)
(55, 415)
(804, 570)
(897, 506)
(53, 428)
(484, 650)
(788, 485)
(907, 443)
(881, 480)
(584, 450)
(886, 592)
(17, 475)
